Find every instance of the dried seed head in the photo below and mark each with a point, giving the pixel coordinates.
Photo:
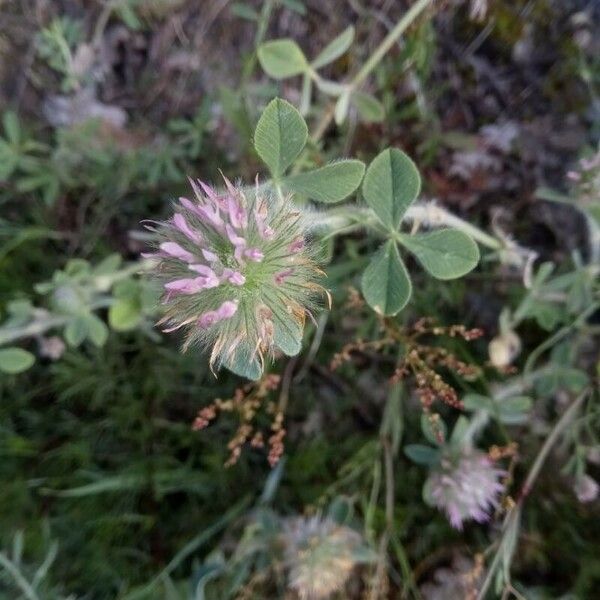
(237, 274)
(320, 555)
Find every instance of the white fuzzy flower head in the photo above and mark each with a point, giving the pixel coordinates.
(320, 555)
(465, 487)
(237, 275)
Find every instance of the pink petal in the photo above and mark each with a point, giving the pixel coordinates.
(209, 256)
(234, 238)
(282, 276)
(227, 309)
(175, 250)
(181, 224)
(254, 254)
(234, 277)
(207, 319)
(184, 286)
(296, 246)
(237, 213)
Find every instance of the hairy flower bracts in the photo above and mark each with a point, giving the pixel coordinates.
(465, 486)
(320, 555)
(237, 275)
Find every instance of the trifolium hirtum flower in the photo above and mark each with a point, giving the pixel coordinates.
(237, 273)
(465, 486)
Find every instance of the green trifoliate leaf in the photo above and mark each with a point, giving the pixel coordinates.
(385, 283)
(280, 136)
(445, 253)
(334, 49)
(15, 360)
(391, 185)
(330, 183)
(282, 58)
(369, 108)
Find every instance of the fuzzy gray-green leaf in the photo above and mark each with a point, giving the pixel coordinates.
(445, 253)
(330, 183)
(334, 49)
(282, 58)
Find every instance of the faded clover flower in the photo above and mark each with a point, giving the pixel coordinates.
(586, 488)
(465, 486)
(320, 555)
(237, 275)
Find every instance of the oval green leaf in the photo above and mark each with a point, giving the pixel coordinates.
(369, 108)
(385, 283)
(391, 185)
(15, 360)
(334, 49)
(330, 183)
(282, 58)
(280, 136)
(445, 253)
(124, 314)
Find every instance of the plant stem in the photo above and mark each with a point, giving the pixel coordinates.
(390, 39)
(427, 213)
(515, 512)
(20, 581)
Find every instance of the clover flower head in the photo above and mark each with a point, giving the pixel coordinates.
(466, 486)
(237, 273)
(320, 555)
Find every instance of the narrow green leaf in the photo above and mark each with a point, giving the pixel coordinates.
(341, 108)
(422, 454)
(15, 360)
(282, 58)
(280, 136)
(478, 402)
(385, 282)
(369, 108)
(76, 330)
(445, 253)
(514, 411)
(330, 183)
(244, 11)
(391, 185)
(334, 49)
(97, 331)
(11, 127)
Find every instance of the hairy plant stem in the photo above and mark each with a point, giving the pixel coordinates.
(512, 519)
(428, 214)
